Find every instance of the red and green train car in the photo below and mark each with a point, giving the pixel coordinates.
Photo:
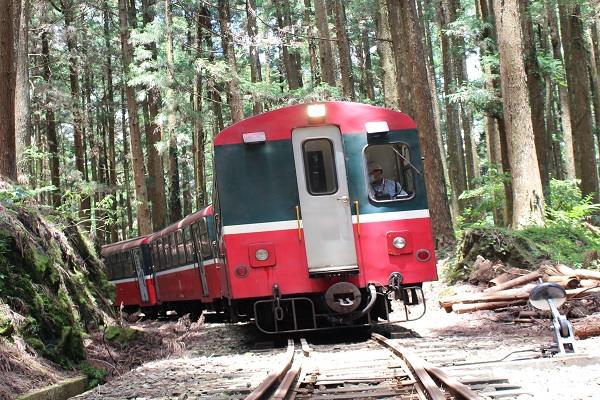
(305, 243)
(302, 241)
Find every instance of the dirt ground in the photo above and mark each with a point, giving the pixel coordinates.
(20, 371)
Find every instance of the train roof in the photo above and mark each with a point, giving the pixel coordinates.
(123, 245)
(278, 124)
(181, 223)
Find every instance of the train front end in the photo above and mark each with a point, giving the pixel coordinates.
(307, 241)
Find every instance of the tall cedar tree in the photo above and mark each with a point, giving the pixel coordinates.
(525, 174)
(8, 151)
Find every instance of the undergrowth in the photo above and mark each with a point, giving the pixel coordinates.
(568, 237)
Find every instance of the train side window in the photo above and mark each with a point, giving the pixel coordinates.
(111, 266)
(167, 251)
(160, 250)
(180, 247)
(127, 264)
(174, 250)
(319, 166)
(189, 244)
(204, 238)
(395, 179)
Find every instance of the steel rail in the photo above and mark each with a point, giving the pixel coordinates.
(424, 369)
(274, 376)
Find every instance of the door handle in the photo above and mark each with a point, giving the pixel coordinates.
(344, 199)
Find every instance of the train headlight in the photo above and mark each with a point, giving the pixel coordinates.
(261, 254)
(399, 242)
(316, 110)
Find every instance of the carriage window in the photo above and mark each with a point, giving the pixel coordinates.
(174, 250)
(189, 244)
(319, 166)
(390, 172)
(204, 238)
(167, 252)
(127, 263)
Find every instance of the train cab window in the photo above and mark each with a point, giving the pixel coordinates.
(319, 166)
(390, 172)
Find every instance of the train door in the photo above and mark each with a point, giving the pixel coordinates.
(139, 270)
(324, 200)
(199, 257)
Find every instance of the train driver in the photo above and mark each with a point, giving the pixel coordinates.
(383, 189)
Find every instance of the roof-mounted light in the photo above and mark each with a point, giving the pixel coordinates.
(316, 111)
(254, 138)
(377, 127)
(377, 131)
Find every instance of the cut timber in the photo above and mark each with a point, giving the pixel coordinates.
(587, 274)
(568, 282)
(507, 276)
(530, 277)
(587, 327)
(503, 296)
(488, 305)
(559, 270)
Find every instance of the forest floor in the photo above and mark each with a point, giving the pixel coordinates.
(20, 371)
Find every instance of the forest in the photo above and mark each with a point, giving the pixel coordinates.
(108, 109)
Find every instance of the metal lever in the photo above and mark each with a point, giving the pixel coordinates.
(344, 199)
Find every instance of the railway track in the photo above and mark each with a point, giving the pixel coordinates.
(345, 367)
(380, 369)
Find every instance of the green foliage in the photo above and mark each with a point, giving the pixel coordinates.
(96, 376)
(121, 335)
(17, 194)
(487, 196)
(564, 238)
(48, 279)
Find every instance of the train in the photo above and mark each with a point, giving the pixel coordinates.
(298, 236)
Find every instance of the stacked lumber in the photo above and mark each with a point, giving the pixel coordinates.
(513, 287)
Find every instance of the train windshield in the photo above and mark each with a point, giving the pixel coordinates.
(390, 172)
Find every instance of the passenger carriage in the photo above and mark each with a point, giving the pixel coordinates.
(304, 241)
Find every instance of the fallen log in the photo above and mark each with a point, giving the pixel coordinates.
(589, 283)
(568, 282)
(587, 327)
(507, 276)
(530, 277)
(484, 297)
(587, 274)
(559, 270)
(472, 307)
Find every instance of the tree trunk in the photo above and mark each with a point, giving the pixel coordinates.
(255, 74)
(22, 102)
(528, 206)
(443, 233)
(151, 104)
(8, 151)
(386, 58)
(579, 94)
(233, 82)
(51, 135)
(325, 49)
(535, 89)
(137, 156)
(344, 51)
(174, 198)
(68, 10)
(565, 109)
(312, 47)
(454, 142)
(400, 51)
(367, 84)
